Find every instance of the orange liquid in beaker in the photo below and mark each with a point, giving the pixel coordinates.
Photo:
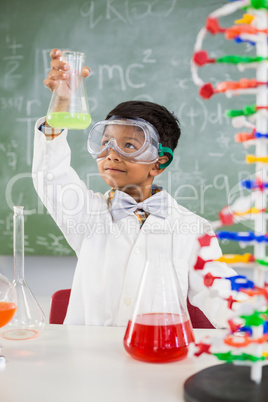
(7, 311)
(158, 337)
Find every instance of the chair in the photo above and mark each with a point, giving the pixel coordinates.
(198, 318)
(59, 304)
(60, 301)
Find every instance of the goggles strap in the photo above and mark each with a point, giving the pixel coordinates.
(161, 152)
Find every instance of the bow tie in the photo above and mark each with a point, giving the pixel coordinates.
(123, 205)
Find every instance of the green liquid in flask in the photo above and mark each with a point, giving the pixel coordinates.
(75, 121)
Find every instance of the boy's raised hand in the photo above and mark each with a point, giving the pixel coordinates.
(59, 70)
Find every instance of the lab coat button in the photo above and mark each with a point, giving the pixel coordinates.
(137, 250)
(128, 301)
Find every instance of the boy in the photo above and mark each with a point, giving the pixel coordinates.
(108, 232)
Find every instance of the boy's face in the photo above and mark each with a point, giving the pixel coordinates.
(120, 173)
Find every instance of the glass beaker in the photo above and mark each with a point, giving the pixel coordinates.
(160, 329)
(68, 107)
(29, 319)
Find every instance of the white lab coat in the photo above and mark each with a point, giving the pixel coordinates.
(112, 254)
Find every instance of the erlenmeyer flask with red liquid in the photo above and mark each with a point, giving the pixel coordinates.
(159, 329)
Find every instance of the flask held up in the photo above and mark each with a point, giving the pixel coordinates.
(68, 107)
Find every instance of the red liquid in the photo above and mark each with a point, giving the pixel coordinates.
(158, 337)
(7, 311)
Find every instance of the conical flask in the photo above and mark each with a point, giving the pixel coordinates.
(29, 319)
(8, 301)
(159, 329)
(68, 107)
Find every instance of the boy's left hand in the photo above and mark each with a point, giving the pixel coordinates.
(59, 70)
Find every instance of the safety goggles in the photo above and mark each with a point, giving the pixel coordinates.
(135, 140)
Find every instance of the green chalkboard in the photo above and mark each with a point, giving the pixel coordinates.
(136, 49)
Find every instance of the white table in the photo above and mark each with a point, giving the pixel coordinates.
(82, 363)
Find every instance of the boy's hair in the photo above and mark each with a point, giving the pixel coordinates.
(165, 122)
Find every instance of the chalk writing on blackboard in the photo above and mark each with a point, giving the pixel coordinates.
(8, 152)
(9, 103)
(54, 243)
(129, 12)
(190, 113)
(12, 59)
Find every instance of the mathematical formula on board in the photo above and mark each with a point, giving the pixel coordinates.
(128, 12)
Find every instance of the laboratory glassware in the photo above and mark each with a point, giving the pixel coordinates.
(159, 329)
(8, 301)
(29, 319)
(68, 106)
(8, 305)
